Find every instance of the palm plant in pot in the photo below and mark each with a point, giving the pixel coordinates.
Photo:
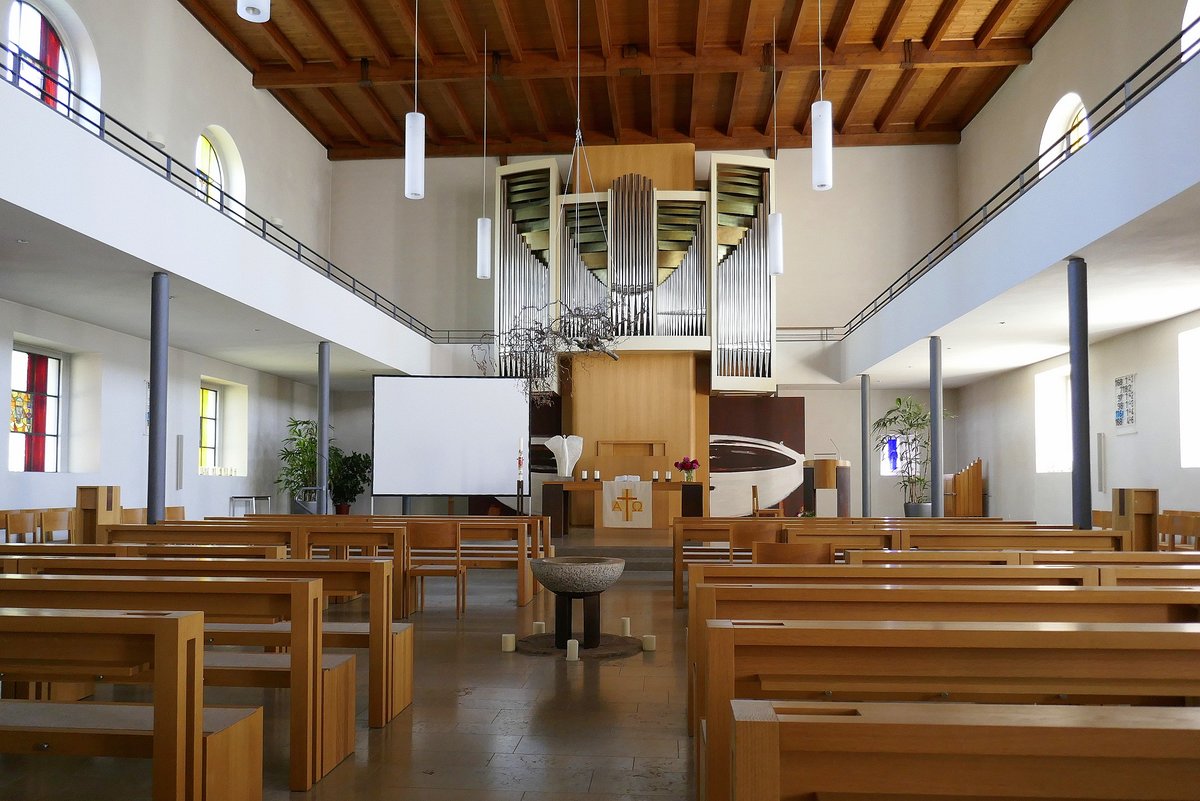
(902, 433)
(349, 473)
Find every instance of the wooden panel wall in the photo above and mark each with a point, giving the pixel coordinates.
(670, 167)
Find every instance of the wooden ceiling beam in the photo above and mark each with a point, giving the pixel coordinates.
(498, 111)
(652, 25)
(556, 29)
(983, 94)
(999, 14)
(462, 31)
(671, 61)
(706, 139)
(748, 30)
(851, 102)
(890, 24)
(384, 116)
(536, 108)
(813, 92)
(939, 96)
(408, 18)
(283, 45)
(349, 120)
(794, 42)
(839, 26)
(907, 79)
(459, 112)
(941, 23)
(224, 34)
(657, 108)
(304, 115)
(509, 27)
(701, 28)
(1048, 17)
(603, 28)
(780, 79)
(431, 130)
(317, 27)
(370, 31)
(695, 106)
(614, 108)
(739, 86)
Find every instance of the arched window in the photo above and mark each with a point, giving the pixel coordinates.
(1066, 130)
(40, 55)
(220, 177)
(1190, 43)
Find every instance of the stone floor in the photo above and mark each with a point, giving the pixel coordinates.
(485, 725)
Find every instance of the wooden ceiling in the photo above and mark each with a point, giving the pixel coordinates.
(898, 71)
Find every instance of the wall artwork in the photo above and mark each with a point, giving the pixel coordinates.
(755, 441)
(1125, 418)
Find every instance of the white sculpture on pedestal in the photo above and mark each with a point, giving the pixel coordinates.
(567, 451)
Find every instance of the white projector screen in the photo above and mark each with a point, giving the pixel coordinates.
(449, 436)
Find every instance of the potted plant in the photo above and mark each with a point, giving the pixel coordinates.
(903, 434)
(349, 474)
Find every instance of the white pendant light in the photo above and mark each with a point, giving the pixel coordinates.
(775, 218)
(822, 123)
(414, 131)
(483, 225)
(254, 10)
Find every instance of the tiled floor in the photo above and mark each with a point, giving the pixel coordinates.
(485, 725)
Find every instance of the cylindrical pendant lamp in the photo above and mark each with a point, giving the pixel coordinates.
(822, 145)
(483, 248)
(775, 243)
(414, 155)
(254, 10)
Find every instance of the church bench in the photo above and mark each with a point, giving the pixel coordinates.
(929, 602)
(231, 739)
(134, 549)
(894, 557)
(219, 598)
(181, 533)
(997, 662)
(1162, 558)
(386, 644)
(927, 537)
(1071, 575)
(713, 542)
(790, 750)
(80, 643)
(1187, 575)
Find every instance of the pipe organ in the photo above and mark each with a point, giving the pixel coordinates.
(676, 267)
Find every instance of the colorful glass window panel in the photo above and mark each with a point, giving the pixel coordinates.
(45, 69)
(34, 413)
(209, 411)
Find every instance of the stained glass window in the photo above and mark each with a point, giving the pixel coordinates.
(209, 410)
(209, 175)
(33, 418)
(45, 69)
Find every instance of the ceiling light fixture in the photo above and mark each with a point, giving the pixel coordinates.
(775, 218)
(483, 225)
(414, 129)
(822, 121)
(254, 10)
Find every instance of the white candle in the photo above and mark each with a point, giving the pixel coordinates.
(508, 642)
(539, 627)
(585, 476)
(572, 650)
(649, 642)
(654, 476)
(668, 475)
(597, 475)
(624, 627)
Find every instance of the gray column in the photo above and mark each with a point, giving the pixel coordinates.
(864, 399)
(936, 418)
(323, 428)
(156, 471)
(1081, 454)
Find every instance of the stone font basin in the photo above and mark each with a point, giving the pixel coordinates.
(578, 574)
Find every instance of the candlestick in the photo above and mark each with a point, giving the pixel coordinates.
(572, 650)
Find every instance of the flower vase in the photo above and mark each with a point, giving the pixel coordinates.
(689, 475)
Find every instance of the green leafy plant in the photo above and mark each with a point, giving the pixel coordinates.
(349, 473)
(907, 423)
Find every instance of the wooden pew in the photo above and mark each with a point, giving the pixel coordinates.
(715, 538)
(302, 669)
(83, 643)
(893, 557)
(926, 537)
(179, 533)
(370, 540)
(1150, 575)
(912, 602)
(131, 549)
(998, 662)
(389, 645)
(790, 750)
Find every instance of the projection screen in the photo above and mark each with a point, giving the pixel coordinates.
(449, 436)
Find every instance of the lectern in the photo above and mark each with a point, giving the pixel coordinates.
(827, 487)
(95, 506)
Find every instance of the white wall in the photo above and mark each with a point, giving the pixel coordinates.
(997, 424)
(106, 430)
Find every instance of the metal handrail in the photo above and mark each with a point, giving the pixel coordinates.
(124, 139)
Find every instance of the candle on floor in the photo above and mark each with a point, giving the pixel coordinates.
(508, 642)
(624, 627)
(649, 642)
(539, 627)
(572, 650)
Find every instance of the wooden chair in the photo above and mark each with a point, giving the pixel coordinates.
(52, 520)
(133, 516)
(446, 540)
(21, 525)
(792, 553)
(769, 511)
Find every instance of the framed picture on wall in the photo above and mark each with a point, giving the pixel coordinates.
(1125, 415)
